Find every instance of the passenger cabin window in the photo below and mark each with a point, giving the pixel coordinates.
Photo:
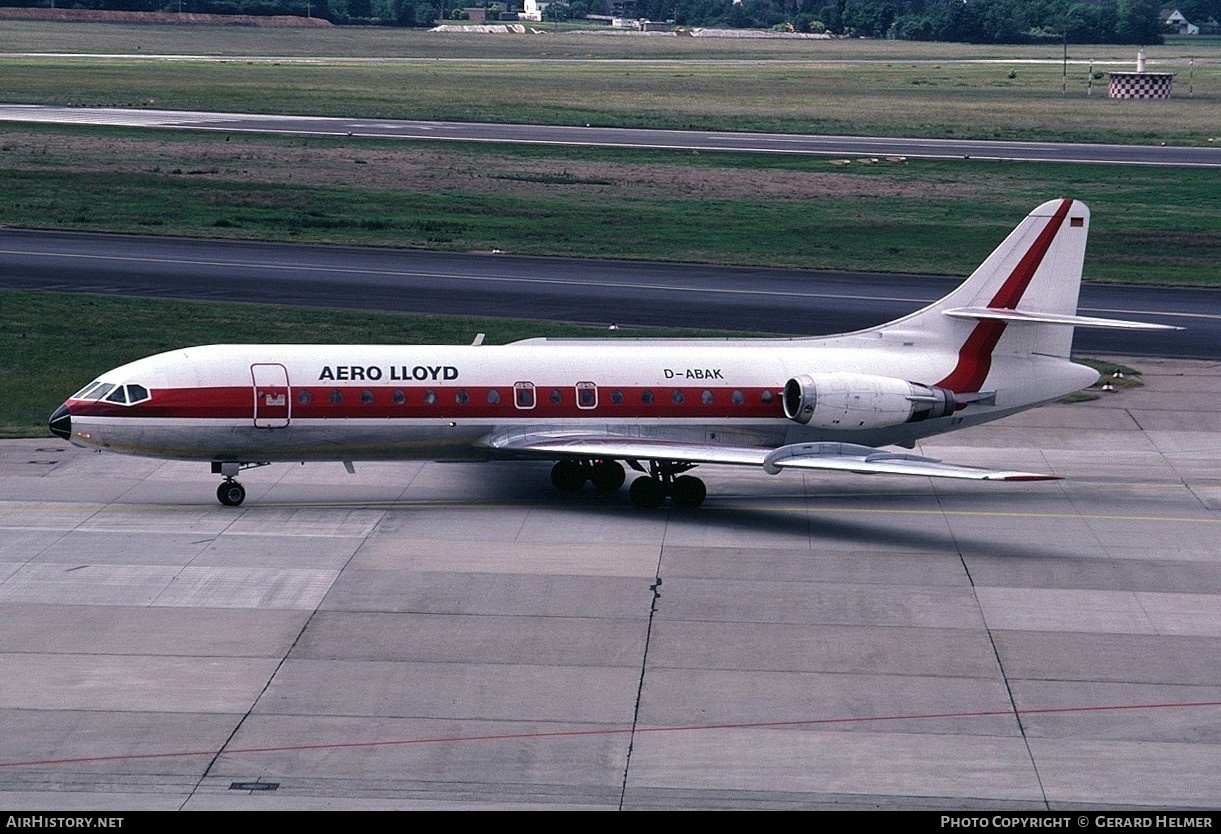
(587, 395)
(430, 396)
(336, 396)
(617, 397)
(523, 394)
(462, 397)
(737, 398)
(304, 397)
(646, 397)
(556, 396)
(493, 397)
(707, 397)
(399, 396)
(366, 397)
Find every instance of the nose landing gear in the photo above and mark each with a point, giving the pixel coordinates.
(230, 492)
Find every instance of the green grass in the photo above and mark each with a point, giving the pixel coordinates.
(395, 43)
(843, 86)
(975, 101)
(1151, 225)
(1113, 377)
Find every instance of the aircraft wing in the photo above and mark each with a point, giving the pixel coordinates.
(846, 457)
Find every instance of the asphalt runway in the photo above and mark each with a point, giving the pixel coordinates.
(627, 293)
(606, 137)
(433, 636)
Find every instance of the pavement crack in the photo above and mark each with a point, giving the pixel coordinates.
(644, 665)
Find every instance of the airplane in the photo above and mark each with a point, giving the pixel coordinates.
(996, 345)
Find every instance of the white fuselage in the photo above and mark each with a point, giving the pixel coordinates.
(371, 402)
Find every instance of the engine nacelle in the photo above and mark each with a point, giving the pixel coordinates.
(862, 401)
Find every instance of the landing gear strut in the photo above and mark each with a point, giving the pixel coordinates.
(650, 490)
(230, 492)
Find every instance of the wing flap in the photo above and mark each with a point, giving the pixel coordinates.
(612, 447)
(849, 457)
(842, 457)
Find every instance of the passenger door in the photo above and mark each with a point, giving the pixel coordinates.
(272, 400)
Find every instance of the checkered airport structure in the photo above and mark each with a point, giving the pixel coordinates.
(1140, 84)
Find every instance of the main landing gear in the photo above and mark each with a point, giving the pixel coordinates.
(660, 480)
(571, 475)
(230, 492)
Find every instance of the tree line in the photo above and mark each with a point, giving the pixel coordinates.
(970, 21)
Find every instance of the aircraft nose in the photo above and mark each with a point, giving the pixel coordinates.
(61, 422)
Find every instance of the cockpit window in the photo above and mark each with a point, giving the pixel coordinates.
(84, 392)
(100, 391)
(111, 393)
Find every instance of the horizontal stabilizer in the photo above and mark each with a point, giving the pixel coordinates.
(844, 457)
(1027, 317)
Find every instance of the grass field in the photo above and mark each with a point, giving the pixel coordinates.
(835, 86)
(1151, 225)
(951, 100)
(556, 43)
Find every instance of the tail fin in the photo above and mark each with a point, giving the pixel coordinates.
(1022, 300)
(1037, 271)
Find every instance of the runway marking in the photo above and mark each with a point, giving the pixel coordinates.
(586, 137)
(562, 282)
(394, 273)
(681, 728)
(1013, 514)
(635, 62)
(451, 505)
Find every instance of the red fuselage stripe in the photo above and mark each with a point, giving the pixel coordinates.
(443, 402)
(975, 355)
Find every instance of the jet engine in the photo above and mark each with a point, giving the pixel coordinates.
(862, 401)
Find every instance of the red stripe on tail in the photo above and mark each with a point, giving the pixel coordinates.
(975, 355)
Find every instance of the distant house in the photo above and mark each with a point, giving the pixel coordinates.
(534, 9)
(1181, 25)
